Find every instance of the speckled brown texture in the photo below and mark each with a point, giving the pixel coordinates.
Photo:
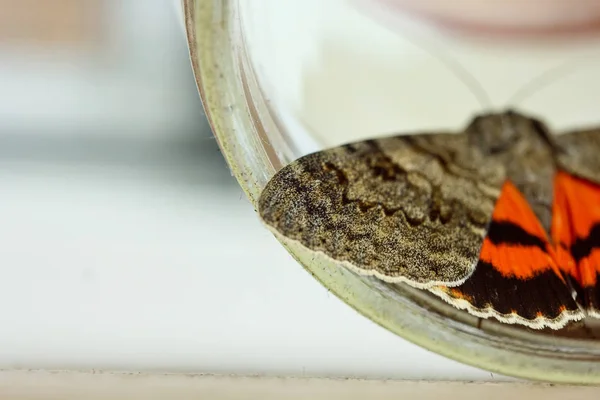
(578, 153)
(412, 208)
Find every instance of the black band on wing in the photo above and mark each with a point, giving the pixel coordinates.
(584, 246)
(588, 297)
(543, 295)
(505, 232)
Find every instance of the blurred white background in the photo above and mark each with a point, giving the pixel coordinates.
(94, 68)
(124, 241)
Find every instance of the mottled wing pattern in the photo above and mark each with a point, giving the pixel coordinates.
(411, 209)
(502, 221)
(578, 153)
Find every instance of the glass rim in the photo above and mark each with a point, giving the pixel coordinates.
(254, 146)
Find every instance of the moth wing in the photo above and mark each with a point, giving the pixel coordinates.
(577, 201)
(578, 153)
(576, 230)
(517, 279)
(411, 209)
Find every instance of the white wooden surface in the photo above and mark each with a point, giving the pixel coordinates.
(30, 385)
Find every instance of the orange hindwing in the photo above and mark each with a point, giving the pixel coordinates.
(576, 234)
(517, 278)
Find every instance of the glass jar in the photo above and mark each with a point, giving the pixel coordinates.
(281, 80)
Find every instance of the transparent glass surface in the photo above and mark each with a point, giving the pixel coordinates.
(279, 82)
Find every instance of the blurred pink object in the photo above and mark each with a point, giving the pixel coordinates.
(505, 16)
(58, 22)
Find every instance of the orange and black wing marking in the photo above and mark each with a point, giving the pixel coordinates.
(466, 215)
(576, 233)
(517, 279)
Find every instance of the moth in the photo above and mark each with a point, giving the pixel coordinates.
(501, 220)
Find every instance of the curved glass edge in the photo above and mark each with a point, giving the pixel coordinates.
(211, 32)
(218, 78)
